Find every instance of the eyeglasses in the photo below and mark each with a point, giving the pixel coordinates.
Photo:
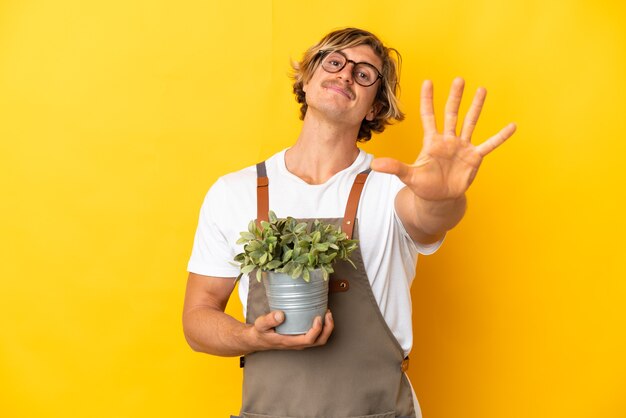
(365, 74)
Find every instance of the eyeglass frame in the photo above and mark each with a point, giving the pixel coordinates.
(323, 53)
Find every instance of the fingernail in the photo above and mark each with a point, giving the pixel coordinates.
(278, 316)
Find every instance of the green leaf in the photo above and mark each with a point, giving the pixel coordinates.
(321, 247)
(258, 275)
(305, 275)
(253, 246)
(287, 255)
(287, 238)
(247, 269)
(263, 258)
(252, 227)
(289, 267)
(248, 236)
(272, 216)
(297, 271)
(304, 258)
(300, 228)
(257, 254)
(272, 265)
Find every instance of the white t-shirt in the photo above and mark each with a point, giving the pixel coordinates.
(389, 254)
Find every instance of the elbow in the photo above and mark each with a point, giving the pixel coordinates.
(194, 346)
(188, 332)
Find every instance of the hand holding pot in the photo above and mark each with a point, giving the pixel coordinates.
(266, 338)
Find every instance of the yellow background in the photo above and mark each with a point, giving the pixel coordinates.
(116, 117)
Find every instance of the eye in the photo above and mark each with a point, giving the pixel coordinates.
(364, 76)
(334, 61)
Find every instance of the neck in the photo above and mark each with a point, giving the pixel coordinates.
(322, 150)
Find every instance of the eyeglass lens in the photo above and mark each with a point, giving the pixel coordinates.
(363, 73)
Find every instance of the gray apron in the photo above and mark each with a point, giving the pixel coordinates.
(360, 370)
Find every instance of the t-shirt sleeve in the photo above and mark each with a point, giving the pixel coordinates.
(212, 255)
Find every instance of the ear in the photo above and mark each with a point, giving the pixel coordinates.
(373, 112)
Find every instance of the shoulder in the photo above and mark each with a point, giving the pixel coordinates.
(238, 178)
(229, 191)
(235, 181)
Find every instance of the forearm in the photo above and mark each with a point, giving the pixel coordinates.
(427, 221)
(437, 217)
(212, 331)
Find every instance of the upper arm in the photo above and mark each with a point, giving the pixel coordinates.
(208, 292)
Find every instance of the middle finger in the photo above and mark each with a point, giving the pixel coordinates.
(452, 107)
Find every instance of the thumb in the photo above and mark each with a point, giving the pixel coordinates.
(389, 166)
(269, 321)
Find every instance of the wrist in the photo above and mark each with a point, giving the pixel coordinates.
(249, 339)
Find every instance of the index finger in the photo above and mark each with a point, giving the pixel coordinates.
(329, 325)
(496, 140)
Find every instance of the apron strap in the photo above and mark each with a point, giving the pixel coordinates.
(262, 195)
(262, 198)
(353, 203)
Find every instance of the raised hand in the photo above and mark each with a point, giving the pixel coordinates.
(448, 163)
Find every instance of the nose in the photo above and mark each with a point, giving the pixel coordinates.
(346, 72)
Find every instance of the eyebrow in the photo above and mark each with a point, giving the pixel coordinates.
(359, 62)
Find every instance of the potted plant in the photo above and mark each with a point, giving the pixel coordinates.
(294, 260)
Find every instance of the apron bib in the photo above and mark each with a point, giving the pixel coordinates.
(358, 373)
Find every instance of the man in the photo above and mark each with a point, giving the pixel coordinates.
(353, 364)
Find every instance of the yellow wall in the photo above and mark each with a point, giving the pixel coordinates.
(115, 117)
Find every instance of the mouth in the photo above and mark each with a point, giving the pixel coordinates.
(347, 94)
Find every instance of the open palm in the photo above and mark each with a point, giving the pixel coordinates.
(447, 164)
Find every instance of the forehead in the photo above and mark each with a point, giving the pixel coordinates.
(363, 53)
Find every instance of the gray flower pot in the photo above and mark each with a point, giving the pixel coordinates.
(300, 301)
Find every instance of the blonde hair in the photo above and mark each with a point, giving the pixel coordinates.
(386, 102)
